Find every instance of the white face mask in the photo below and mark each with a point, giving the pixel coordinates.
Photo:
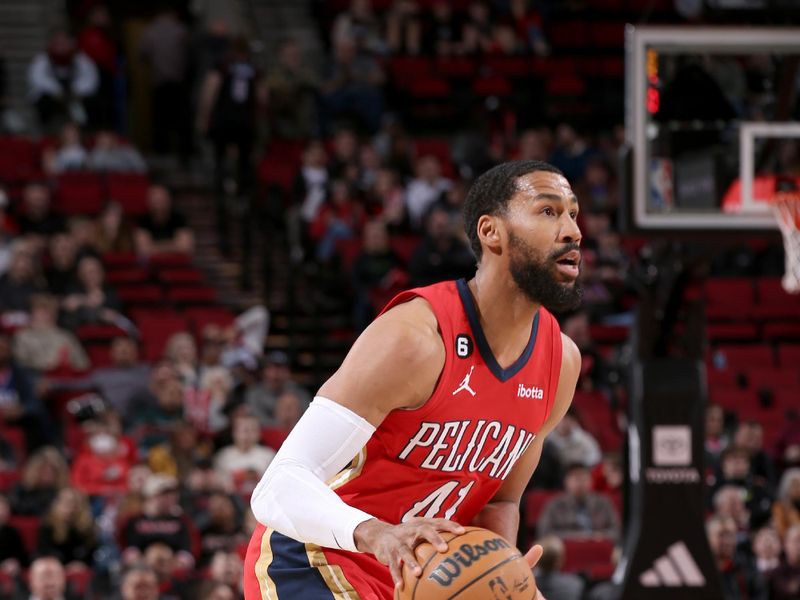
(102, 443)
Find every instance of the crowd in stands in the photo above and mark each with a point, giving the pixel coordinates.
(126, 465)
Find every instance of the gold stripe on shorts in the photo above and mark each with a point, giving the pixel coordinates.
(265, 583)
(332, 574)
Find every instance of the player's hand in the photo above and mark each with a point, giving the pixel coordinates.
(394, 545)
(532, 557)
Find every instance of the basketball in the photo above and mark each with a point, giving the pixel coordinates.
(478, 565)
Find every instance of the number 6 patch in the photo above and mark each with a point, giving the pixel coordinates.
(463, 345)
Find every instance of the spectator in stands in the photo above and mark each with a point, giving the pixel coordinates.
(36, 217)
(101, 466)
(181, 349)
(227, 568)
(735, 470)
(360, 25)
(152, 423)
(19, 284)
(767, 551)
(69, 155)
(60, 82)
(427, 187)
(292, 86)
(139, 582)
(47, 579)
(477, 31)
(729, 501)
(311, 182)
(341, 217)
(161, 558)
(716, 437)
(575, 444)
(276, 378)
(97, 42)
(90, 300)
(109, 154)
(13, 555)
(162, 229)
(162, 375)
(750, 436)
(532, 145)
(68, 531)
(212, 590)
(352, 87)
(377, 267)
(404, 27)
(571, 153)
(19, 404)
(442, 34)
(343, 162)
(61, 272)
(44, 475)
(550, 581)
(246, 457)
(164, 49)
(740, 578)
(216, 383)
(183, 451)
(288, 410)
(44, 346)
(126, 376)
(388, 193)
(786, 509)
(114, 231)
(442, 255)
(161, 520)
(527, 23)
(579, 512)
(784, 582)
(608, 476)
(222, 526)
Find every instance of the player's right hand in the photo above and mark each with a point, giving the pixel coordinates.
(394, 545)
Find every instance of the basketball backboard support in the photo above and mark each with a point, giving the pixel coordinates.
(687, 156)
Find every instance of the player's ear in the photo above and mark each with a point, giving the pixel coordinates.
(490, 232)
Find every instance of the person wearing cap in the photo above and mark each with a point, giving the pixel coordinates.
(276, 379)
(161, 520)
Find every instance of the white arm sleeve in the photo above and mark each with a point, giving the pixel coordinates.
(292, 496)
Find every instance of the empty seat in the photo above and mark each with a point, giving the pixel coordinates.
(170, 259)
(456, 67)
(140, 294)
(273, 437)
(127, 275)
(746, 356)
(199, 294)
(156, 329)
(431, 88)
(732, 332)
(581, 554)
(729, 298)
(733, 399)
(535, 501)
(782, 330)
(130, 190)
(80, 193)
(772, 378)
(492, 86)
(789, 355)
(118, 260)
(188, 276)
(98, 332)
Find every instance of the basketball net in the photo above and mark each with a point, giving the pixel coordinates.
(786, 208)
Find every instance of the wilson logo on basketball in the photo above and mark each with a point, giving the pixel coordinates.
(534, 392)
(467, 554)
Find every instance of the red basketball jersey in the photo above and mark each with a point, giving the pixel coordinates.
(449, 457)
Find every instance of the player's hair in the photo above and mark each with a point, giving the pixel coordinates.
(490, 193)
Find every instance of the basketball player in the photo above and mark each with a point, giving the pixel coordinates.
(436, 417)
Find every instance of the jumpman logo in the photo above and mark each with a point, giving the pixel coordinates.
(464, 385)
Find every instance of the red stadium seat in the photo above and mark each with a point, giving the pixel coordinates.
(513, 67)
(79, 580)
(732, 332)
(28, 528)
(733, 399)
(581, 555)
(188, 276)
(99, 333)
(8, 479)
(170, 259)
(789, 355)
(80, 193)
(727, 379)
(456, 67)
(773, 378)
(429, 88)
(745, 356)
(273, 437)
(405, 69)
(348, 250)
(195, 294)
(569, 34)
(607, 35)
(782, 330)
(119, 260)
(127, 275)
(156, 329)
(535, 501)
(200, 316)
(729, 298)
(99, 355)
(130, 190)
(404, 246)
(140, 294)
(15, 436)
(492, 86)
(18, 160)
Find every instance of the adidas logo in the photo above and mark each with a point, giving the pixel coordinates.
(675, 569)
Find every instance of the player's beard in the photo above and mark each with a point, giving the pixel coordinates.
(536, 278)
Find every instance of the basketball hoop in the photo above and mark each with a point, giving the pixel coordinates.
(786, 208)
